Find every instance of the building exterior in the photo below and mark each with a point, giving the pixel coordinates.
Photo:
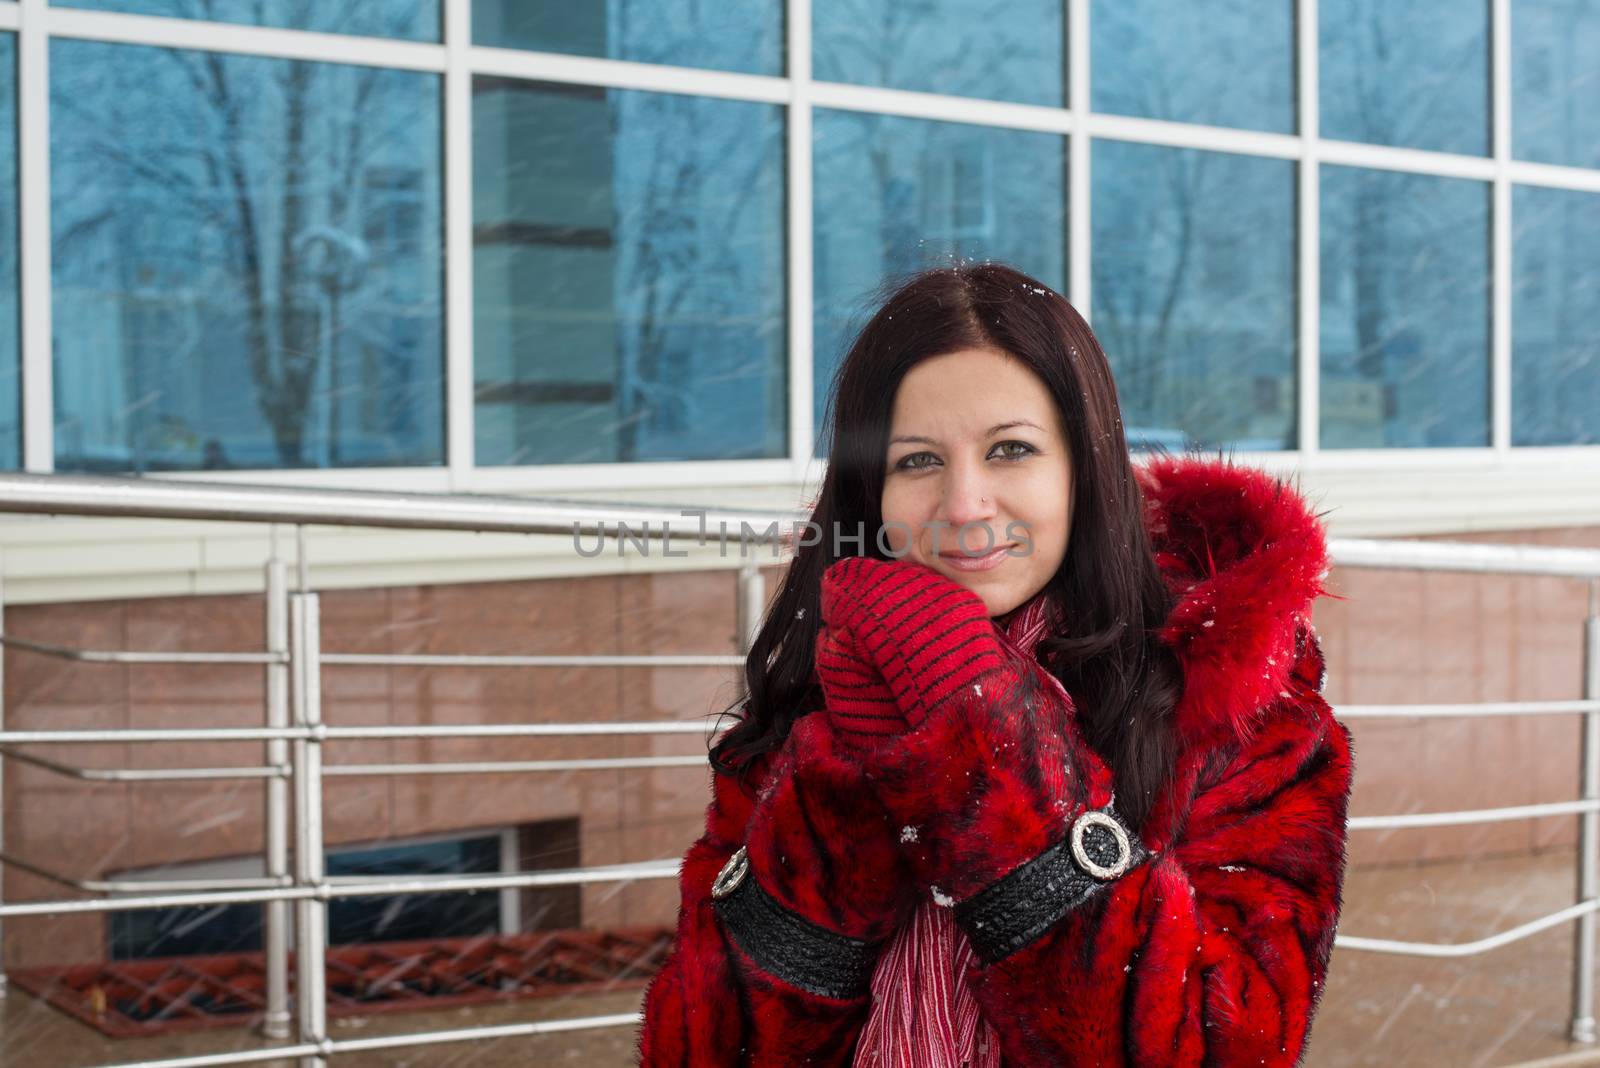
(616, 250)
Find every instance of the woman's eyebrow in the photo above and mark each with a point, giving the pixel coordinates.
(997, 428)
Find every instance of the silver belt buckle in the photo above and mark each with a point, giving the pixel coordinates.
(731, 875)
(1081, 855)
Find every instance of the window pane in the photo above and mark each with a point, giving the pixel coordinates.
(1012, 50)
(628, 275)
(1228, 63)
(10, 298)
(185, 931)
(896, 195)
(1414, 74)
(406, 917)
(1555, 81)
(1194, 294)
(411, 20)
(407, 19)
(1405, 309)
(1555, 317)
(745, 36)
(246, 261)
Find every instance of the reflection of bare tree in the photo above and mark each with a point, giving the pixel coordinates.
(900, 41)
(1223, 62)
(679, 266)
(1141, 282)
(1396, 99)
(258, 188)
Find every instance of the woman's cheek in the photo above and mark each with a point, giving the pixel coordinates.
(898, 537)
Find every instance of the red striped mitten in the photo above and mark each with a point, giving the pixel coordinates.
(898, 639)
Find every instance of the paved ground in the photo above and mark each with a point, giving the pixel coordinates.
(1493, 1010)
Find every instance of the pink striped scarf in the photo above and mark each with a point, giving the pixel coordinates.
(923, 1012)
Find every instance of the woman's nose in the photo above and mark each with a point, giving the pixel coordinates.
(968, 500)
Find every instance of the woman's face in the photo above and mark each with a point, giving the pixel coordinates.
(976, 440)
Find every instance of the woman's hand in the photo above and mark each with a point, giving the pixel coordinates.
(974, 753)
(897, 640)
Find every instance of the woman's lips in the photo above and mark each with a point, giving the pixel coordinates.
(962, 562)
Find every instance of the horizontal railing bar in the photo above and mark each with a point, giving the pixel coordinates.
(1473, 708)
(663, 660)
(146, 774)
(223, 1060)
(148, 498)
(333, 1047)
(433, 884)
(473, 1034)
(328, 890)
(156, 901)
(498, 767)
(322, 732)
(152, 734)
(508, 730)
(1410, 555)
(1467, 949)
(436, 768)
(1475, 815)
(142, 886)
(124, 656)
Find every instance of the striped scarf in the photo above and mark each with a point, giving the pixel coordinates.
(923, 1012)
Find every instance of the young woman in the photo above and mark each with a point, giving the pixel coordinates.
(1075, 801)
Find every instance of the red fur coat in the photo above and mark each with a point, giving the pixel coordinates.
(1213, 952)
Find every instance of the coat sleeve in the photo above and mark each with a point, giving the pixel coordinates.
(1214, 951)
(710, 1004)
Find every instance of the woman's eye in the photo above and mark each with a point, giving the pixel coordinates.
(906, 464)
(1025, 448)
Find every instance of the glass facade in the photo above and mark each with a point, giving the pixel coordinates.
(1405, 310)
(1194, 294)
(1222, 64)
(231, 301)
(1013, 50)
(746, 36)
(628, 274)
(895, 195)
(1555, 317)
(1413, 75)
(10, 249)
(410, 20)
(247, 266)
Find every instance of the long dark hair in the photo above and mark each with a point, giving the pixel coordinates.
(1123, 679)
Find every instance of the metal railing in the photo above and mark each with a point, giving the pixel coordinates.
(294, 734)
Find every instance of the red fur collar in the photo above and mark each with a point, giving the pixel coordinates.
(1246, 557)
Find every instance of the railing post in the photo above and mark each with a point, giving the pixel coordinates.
(752, 603)
(310, 914)
(275, 1021)
(1582, 1027)
(4, 984)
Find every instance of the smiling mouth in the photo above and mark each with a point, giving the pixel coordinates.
(959, 555)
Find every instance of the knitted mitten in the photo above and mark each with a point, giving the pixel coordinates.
(898, 639)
